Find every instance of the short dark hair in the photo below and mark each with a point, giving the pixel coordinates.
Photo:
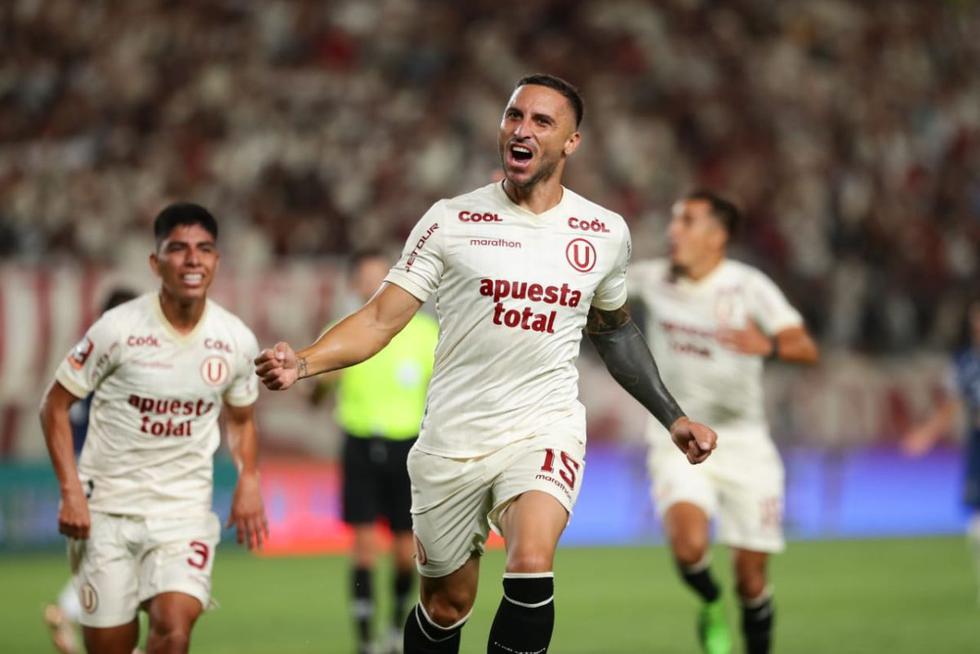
(723, 210)
(183, 213)
(118, 295)
(364, 254)
(558, 84)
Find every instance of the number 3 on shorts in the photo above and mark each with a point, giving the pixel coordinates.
(570, 467)
(201, 555)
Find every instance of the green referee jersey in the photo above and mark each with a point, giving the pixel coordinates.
(385, 395)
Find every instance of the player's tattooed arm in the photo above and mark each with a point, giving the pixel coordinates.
(627, 357)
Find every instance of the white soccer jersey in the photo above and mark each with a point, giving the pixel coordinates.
(153, 426)
(512, 293)
(712, 384)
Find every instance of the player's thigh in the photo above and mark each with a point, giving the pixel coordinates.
(750, 513)
(450, 502)
(172, 613)
(180, 558)
(359, 489)
(750, 572)
(396, 487)
(554, 468)
(108, 572)
(531, 525)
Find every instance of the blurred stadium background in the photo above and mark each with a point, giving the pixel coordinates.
(848, 131)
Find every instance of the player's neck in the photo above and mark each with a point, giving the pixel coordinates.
(183, 315)
(703, 268)
(536, 198)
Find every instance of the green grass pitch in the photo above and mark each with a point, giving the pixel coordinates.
(868, 596)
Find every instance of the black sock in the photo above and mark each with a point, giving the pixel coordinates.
(526, 615)
(362, 604)
(403, 586)
(757, 620)
(699, 578)
(422, 636)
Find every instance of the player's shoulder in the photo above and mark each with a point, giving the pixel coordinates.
(593, 211)
(735, 270)
(229, 322)
(128, 314)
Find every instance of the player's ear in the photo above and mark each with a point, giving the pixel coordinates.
(155, 263)
(571, 145)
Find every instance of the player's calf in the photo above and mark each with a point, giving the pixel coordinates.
(526, 616)
(758, 617)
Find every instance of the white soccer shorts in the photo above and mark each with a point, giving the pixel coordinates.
(127, 560)
(455, 502)
(741, 484)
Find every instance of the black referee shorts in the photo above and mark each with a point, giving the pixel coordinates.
(376, 483)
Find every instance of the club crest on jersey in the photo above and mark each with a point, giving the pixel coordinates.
(80, 353)
(215, 370)
(581, 255)
(88, 598)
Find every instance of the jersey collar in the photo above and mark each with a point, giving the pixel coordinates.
(170, 329)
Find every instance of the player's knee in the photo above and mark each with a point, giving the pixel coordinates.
(689, 551)
(170, 637)
(447, 610)
(750, 584)
(529, 559)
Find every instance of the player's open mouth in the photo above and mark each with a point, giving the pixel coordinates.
(519, 155)
(192, 279)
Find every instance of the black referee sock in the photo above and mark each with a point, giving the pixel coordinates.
(757, 620)
(526, 615)
(422, 636)
(403, 585)
(698, 577)
(363, 604)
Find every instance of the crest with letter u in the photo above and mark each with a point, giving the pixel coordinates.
(215, 370)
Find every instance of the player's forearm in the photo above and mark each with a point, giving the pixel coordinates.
(58, 439)
(354, 339)
(244, 446)
(796, 346)
(629, 361)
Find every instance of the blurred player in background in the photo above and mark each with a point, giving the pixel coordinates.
(137, 508)
(712, 322)
(962, 396)
(62, 617)
(518, 269)
(379, 407)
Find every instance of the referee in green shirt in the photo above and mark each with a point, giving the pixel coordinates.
(379, 407)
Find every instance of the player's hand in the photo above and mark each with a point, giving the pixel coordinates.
(917, 442)
(695, 440)
(74, 520)
(278, 368)
(749, 341)
(248, 512)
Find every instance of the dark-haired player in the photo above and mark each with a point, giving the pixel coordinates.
(137, 508)
(712, 322)
(518, 269)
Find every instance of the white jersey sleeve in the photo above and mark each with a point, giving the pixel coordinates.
(420, 267)
(92, 359)
(768, 307)
(244, 388)
(611, 293)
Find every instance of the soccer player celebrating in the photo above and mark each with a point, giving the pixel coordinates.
(962, 395)
(518, 269)
(712, 322)
(137, 509)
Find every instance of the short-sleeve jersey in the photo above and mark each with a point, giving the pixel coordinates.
(712, 384)
(153, 424)
(512, 294)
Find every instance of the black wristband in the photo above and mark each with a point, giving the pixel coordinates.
(774, 353)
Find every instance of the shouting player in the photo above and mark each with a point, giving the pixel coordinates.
(137, 509)
(712, 322)
(518, 269)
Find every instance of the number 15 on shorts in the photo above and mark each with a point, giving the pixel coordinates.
(569, 466)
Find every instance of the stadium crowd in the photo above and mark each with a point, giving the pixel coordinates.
(847, 131)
